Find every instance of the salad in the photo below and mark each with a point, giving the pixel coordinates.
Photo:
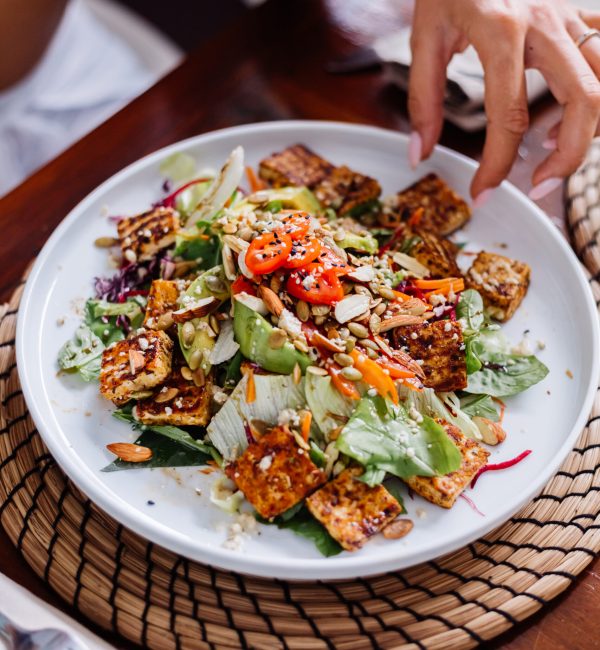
(312, 344)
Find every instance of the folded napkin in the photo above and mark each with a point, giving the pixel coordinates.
(463, 105)
(41, 625)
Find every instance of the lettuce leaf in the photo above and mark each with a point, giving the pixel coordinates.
(381, 436)
(326, 402)
(479, 405)
(82, 354)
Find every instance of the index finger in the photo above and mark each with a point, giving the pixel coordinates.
(505, 106)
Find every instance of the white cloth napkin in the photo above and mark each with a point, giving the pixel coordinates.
(86, 75)
(465, 89)
(30, 613)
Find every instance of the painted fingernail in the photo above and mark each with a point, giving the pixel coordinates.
(550, 144)
(482, 198)
(415, 149)
(544, 188)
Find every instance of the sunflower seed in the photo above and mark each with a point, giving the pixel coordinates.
(353, 374)
(320, 310)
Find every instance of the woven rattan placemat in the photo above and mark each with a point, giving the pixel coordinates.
(160, 600)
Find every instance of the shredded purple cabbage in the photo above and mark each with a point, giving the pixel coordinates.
(131, 279)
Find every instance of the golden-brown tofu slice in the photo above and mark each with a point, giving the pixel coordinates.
(443, 210)
(296, 165)
(439, 348)
(501, 281)
(351, 510)
(178, 402)
(162, 298)
(275, 473)
(436, 253)
(346, 191)
(146, 234)
(135, 365)
(444, 490)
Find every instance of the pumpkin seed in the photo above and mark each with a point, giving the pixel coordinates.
(106, 242)
(277, 338)
(339, 235)
(386, 292)
(353, 374)
(380, 309)
(186, 373)
(297, 374)
(245, 233)
(195, 360)
(188, 333)
(214, 323)
(372, 354)
(319, 320)
(165, 321)
(320, 310)
(367, 343)
(358, 330)
(344, 360)
(302, 311)
(350, 343)
(315, 370)
(198, 377)
(230, 228)
(375, 323)
(301, 346)
(166, 395)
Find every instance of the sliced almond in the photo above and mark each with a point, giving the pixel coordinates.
(235, 243)
(271, 300)
(199, 308)
(166, 395)
(399, 321)
(137, 361)
(129, 452)
(492, 433)
(350, 307)
(410, 264)
(252, 302)
(414, 306)
(362, 274)
(328, 344)
(398, 529)
(228, 262)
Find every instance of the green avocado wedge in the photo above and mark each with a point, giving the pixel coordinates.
(252, 332)
(210, 283)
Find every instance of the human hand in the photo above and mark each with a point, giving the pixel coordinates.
(509, 36)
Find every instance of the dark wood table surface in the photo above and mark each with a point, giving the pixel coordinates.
(270, 65)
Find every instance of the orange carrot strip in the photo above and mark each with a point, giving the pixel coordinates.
(375, 375)
(435, 284)
(306, 420)
(345, 386)
(255, 183)
(250, 387)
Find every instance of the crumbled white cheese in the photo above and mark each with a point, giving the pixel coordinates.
(265, 462)
(288, 417)
(289, 323)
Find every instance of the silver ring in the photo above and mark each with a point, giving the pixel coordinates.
(586, 37)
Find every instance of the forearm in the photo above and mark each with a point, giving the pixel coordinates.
(27, 26)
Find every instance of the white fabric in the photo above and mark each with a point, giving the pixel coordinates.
(463, 104)
(86, 75)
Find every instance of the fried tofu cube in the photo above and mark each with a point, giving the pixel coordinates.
(501, 281)
(178, 402)
(162, 298)
(135, 366)
(296, 165)
(351, 510)
(444, 490)
(275, 473)
(347, 191)
(144, 235)
(436, 253)
(439, 348)
(443, 210)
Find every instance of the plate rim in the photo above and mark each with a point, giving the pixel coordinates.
(352, 566)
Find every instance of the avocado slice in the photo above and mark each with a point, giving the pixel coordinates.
(199, 289)
(252, 333)
(363, 243)
(295, 198)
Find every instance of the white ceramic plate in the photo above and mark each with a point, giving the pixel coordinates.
(76, 423)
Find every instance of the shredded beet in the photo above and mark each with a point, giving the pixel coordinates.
(169, 200)
(128, 280)
(249, 436)
(472, 504)
(504, 465)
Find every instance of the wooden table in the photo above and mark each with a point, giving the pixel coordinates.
(270, 65)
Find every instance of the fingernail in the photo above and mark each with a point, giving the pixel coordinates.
(415, 149)
(544, 188)
(482, 198)
(550, 144)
